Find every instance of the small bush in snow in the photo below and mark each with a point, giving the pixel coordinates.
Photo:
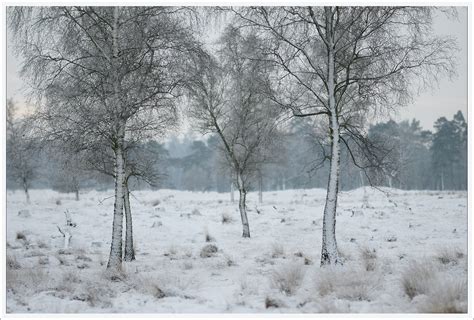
(148, 285)
(69, 282)
(96, 292)
(24, 213)
(229, 261)
(83, 257)
(273, 303)
(156, 291)
(95, 296)
(226, 218)
(20, 235)
(369, 258)
(172, 251)
(449, 255)
(12, 263)
(43, 260)
(277, 250)
(58, 202)
(26, 280)
(208, 237)
(330, 305)
(288, 279)
(34, 253)
(62, 260)
(114, 275)
(418, 278)
(208, 251)
(196, 212)
(42, 244)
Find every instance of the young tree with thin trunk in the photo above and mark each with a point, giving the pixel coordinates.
(104, 74)
(21, 149)
(227, 97)
(345, 64)
(70, 168)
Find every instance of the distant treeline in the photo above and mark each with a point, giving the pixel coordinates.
(419, 159)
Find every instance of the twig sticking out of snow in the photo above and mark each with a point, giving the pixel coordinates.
(69, 220)
(67, 236)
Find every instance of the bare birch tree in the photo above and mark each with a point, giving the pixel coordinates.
(228, 98)
(20, 149)
(104, 73)
(346, 64)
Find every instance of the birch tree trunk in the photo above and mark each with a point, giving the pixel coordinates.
(27, 193)
(232, 191)
(260, 187)
(329, 252)
(242, 207)
(442, 180)
(115, 258)
(129, 254)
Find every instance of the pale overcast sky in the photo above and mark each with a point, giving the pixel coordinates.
(429, 106)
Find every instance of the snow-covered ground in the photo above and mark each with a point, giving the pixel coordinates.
(395, 245)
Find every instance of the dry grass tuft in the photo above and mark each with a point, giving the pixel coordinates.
(369, 258)
(208, 237)
(273, 303)
(12, 263)
(446, 296)
(449, 255)
(21, 235)
(148, 285)
(26, 280)
(277, 250)
(418, 278)
(288, 279)
(346, 283)
(208, 251)
(226, 218)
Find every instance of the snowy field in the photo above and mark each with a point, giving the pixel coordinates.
(404, 252)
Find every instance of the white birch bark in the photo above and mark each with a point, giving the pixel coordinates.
(260, 188)
(242, 208)
(27, 193)
(115, 258)
(329, 252)
(129, 254)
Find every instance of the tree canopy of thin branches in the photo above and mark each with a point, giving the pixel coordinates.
(347, 64)
(104, 76)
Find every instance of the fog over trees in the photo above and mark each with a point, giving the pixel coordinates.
(286, 98)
